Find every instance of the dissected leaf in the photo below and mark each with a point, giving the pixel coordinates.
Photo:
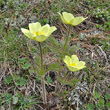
(49, 80)
(26, 66)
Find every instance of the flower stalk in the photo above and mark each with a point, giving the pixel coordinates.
(41, 54)
(42, 80)
(67, 38)
(44, 92)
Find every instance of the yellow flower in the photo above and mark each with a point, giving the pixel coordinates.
(68, 18)
(37, 32)
(73, 63)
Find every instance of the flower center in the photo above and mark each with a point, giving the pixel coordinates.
(73, 64)
(38, 33)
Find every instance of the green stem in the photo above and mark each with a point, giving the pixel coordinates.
(41, 54)
(69, 30)
(42, 80)
(44, 92)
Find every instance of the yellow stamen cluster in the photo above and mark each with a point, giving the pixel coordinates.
(38, 33)
(73, 64)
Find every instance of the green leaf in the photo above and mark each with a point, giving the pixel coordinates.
(5, 94)
(49, 80)
(31, 71)
(107, 96)
(55, 67)
(62, 81)
(26, 66)
(23, 60)
(96, 95)
(72, 82)
(15, 99)
(54, 42)
(41, 74)
(53, 45)
(101, 101)
(64, 93)
(8, 80)
(108, 104)
(90, 106)
(21, 81)
(7, 97)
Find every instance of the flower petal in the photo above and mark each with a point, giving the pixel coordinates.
(51, 29)
(45, 29)
(27, 33)
(77, 20)
(72, 68)
(67, 60)
(81, 65)
(74, 59)
(67, 17)
(35, 27)
(40, 38)
(63, 19)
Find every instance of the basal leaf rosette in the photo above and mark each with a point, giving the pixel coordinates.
(37, 32)
(68, 18)
(73, 63)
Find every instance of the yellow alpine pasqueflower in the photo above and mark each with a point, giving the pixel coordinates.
(68, 18)
(73, 63)
(37, 32)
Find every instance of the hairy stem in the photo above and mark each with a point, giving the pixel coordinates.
(41, 54)
(42, 80)
(44, 92)
(69, 30)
